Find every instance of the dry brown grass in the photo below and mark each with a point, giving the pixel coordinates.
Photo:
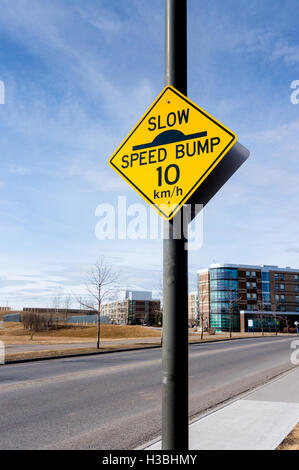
(291, 442)
(70, 352)
(14, 333)
(85, 350)
(107, 331)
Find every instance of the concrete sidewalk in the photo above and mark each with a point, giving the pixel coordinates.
(258, 421)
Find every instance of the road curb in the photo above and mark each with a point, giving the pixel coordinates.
(69, 356)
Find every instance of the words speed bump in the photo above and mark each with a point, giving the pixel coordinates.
(171, 151)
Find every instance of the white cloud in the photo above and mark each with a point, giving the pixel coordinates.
(18, 170)
(98, 178)
(104, 21)
(287, 52)
(281, 134)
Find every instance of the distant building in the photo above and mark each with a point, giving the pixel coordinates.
(193, 309)
(135, 295)
(4, 309)
(240, 292)
(134, 308)
(63, 312)
(89, 319)
(12, 317)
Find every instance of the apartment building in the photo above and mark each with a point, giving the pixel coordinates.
(193, 309)
(233, 294)
(135, 308)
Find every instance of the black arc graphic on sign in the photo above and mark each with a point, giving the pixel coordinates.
(169, 137)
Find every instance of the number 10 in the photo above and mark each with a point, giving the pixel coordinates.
(166, 175)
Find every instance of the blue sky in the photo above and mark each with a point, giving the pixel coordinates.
(78, 75)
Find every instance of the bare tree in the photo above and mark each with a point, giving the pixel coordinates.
(67, 302)
(275, 307)
(203, 299)
(233, 300)
(261, 313)
(100, 286)
(159, 312)
(287, 323)
(56, 302)
(159, 316)
(35, 323)
(284, 319)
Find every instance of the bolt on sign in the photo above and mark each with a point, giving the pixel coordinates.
(171, 151)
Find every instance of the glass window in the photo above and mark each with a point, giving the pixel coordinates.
(276, 287)
(253, 274)
(251, 307)
(283, 308)
(251, 296)
(282, 298)
(265, 276)
(297, 309)
(247, 273)
(297, 298)
(221, 322)
(223, 285)
(297, 288)
(281, 277)
(277, 298)
(223, 295)
(296, 277)
(281, 286)
(265, 287)
(251, 285)
(222, 307)
(219, 307)
(266, 297)
(223, 273)
(276, 276)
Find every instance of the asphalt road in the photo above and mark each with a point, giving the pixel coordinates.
(113, 401)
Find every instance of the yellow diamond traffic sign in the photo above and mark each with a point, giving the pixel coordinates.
(171, 151)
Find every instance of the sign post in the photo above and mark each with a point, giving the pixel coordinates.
(250, 324)
(177, 154)
(175, 425)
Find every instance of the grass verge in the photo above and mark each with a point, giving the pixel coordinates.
(70, 352)
(28, 355)
(291, 442)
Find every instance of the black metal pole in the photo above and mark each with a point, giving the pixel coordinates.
(175, 429)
